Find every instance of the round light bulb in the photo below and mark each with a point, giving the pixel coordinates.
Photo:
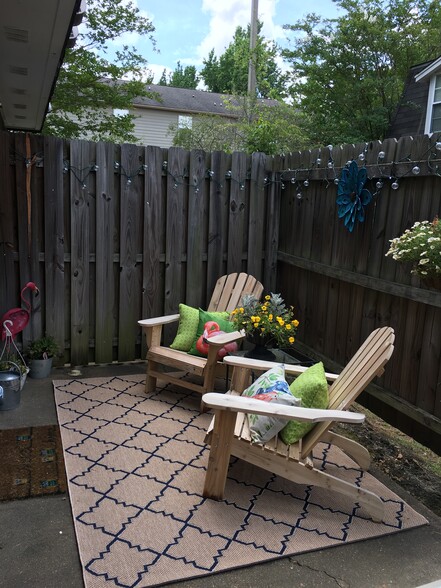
(381, 155)
(361, 157)
(379, 185)
(438, 146)
(395, 186)
(416, 170)
(330, 164)
(319, 161)
(306, 183)
(299, 196)
(336, 181)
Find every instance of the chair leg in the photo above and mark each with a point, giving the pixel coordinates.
(219, 458)
(150, 381)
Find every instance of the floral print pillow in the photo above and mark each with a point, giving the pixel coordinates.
(269, 387)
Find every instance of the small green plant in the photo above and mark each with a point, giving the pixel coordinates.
(6, 365)
(43, 348)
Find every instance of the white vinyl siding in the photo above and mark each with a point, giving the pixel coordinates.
(152, 127)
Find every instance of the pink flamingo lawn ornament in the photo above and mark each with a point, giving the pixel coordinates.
(17, 318)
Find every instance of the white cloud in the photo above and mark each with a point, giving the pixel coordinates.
(227, 15)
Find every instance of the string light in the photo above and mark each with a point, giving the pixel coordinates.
(300, 178)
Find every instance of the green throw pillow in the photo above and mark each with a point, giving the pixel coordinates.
(312, 389)
(188, 325)
(221, 318)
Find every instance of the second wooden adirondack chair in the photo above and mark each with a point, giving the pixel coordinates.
(169, 364)
(229, 432)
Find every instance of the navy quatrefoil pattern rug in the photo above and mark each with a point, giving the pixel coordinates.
(136, 465)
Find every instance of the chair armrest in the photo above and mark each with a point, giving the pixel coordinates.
(160, 320)
(263, 366)
(224, 338)
(250, 405)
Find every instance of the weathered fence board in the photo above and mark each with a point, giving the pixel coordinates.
(80, 161)
(218, 206)
(54, 240)
(131, 217)
(105, 247)
(197, 226)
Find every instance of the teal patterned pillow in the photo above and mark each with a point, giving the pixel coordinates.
(269, 387)
(311, 387)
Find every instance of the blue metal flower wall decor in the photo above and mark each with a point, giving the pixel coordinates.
(352, 196)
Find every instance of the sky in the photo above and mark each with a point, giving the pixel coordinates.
(187, 30)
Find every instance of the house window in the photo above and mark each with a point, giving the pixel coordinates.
(433, 120)
(184, 122)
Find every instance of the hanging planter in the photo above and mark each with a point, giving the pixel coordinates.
(421, 246)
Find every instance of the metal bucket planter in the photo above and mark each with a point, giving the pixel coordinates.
(11, 384)
(40, 368)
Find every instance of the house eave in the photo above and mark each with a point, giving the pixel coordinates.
(429, 71)
(33, 40)
(184, 111)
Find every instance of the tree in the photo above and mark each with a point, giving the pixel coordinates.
(184, 77)
(229, 73)
(349, 72)
(89, 85)
(255, 126)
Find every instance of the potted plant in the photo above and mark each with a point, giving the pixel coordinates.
(41, 353)
(268, 324)
(421, 246)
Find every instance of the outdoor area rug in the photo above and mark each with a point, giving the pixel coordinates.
(32, 462)
(136, 465)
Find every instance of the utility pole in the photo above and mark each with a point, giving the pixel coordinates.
(253, 41)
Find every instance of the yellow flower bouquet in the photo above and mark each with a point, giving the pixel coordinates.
(269, 322)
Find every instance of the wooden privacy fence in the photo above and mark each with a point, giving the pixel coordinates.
(343, 285)
(113, 233)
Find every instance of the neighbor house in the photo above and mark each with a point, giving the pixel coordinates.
(419, 110)
(173, 106)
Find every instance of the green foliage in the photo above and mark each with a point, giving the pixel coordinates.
(181, 77)
(229, 73)
(89, 87)
(255, 126)
(349, 72)
(209, 133)
(43, 348)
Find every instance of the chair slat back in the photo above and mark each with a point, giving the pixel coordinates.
(230, 289)
(367, 363)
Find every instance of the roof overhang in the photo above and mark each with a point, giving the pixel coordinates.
(432, 69)
(33, 39)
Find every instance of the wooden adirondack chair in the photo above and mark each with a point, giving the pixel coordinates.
(229, 433)
(227, 294)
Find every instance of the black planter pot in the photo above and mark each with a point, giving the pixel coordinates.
(260, 352)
